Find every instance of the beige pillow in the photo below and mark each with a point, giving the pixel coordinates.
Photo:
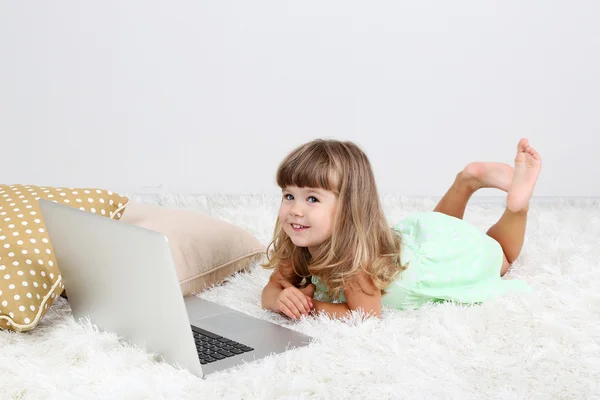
(29, 275)
(205, 249)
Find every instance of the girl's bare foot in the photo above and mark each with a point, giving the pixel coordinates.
(478, 175)
(528, 164)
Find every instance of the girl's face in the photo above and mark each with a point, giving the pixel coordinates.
(307, 214)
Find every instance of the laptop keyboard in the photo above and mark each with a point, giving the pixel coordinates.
(213, 347)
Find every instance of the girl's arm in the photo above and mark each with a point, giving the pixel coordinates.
(337, 310)
(362, 295)
(281, 296)
(271, 292)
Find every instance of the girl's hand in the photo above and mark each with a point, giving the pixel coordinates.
(309, 290)
(295, 302)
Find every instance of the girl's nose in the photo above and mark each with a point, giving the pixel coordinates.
(296, 210)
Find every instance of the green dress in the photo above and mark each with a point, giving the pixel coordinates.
(448, 260)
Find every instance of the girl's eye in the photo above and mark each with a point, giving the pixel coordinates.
(312, 198)
(288, 197)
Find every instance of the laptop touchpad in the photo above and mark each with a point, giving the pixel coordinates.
(226, 324)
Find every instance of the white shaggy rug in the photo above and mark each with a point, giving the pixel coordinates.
(544, 345)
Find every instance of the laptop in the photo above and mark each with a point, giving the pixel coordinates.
(123, 279)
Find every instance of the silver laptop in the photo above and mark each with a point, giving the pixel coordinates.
(122, 277)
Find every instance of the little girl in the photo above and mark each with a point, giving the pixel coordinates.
(332, 240)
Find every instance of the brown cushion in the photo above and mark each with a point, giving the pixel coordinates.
(205, 249)
(29, 275)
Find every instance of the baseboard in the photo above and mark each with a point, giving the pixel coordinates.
(147, 195)
(537, 200)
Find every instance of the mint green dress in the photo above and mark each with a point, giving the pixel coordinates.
(448, 260)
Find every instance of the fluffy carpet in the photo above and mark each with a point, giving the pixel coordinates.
(543, 345)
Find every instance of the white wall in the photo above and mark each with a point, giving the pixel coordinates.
(209, 96)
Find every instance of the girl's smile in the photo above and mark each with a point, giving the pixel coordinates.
(299, 228)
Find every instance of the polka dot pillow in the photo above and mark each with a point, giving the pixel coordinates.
(30, 278)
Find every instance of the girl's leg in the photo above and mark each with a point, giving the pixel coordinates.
(475, 176)
(509, 231)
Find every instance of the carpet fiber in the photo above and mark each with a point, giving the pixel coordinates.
(544, 345)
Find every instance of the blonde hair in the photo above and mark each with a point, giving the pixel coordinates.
(361, 239)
